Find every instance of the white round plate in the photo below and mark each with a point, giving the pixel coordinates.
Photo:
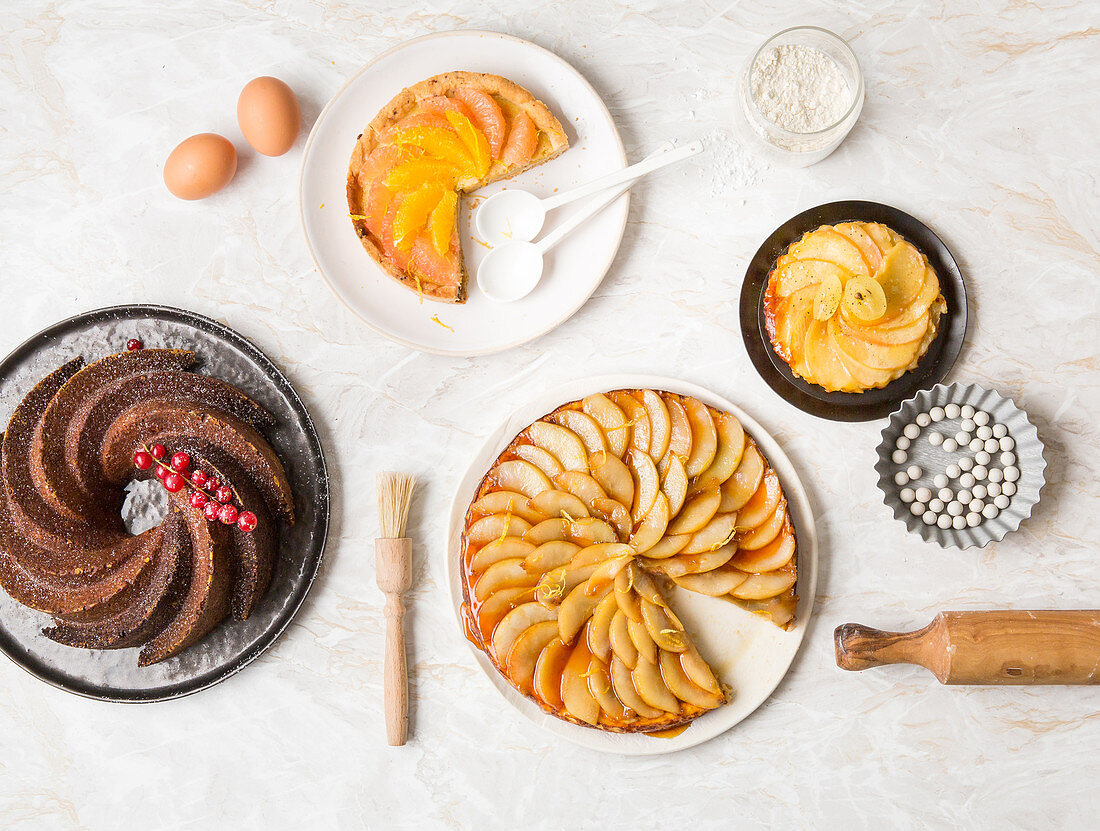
(478, 327)
(746, 651)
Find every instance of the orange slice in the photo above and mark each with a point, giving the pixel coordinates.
(523, 139)
(441, 224)
(426, 119)
(437, 142)
(420, 171)
(412, 212)
(487, 116)
(473, 138)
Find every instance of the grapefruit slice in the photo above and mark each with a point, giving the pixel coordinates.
(523, 140)
(486, 114)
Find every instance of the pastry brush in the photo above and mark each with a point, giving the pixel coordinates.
(393, 571)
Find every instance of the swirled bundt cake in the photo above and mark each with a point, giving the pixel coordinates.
(73, 443)
(852, 307)
(576, 526)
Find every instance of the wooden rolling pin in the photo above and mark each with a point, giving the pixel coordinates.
(1010, 647)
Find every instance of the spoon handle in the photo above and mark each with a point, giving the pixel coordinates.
(654, 161)
(579, 218)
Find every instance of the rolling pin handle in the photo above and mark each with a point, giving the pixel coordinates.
(860, 647)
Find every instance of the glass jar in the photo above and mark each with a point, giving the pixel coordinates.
(804, 149)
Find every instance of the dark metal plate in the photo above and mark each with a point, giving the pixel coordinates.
(846, 406)
(113, 675)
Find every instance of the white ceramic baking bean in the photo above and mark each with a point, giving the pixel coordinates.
(981, 418)
(940, 480)
(1002, 501)
(994, 489)
(999, 431)
(936, 413)
(1008, 458)
(953, 471)
(984, 432)
(935, 439)
(996, 475)
(914, 472)
(911, 431)
(1007, 443)
(966, 463)
(958, 523)
(954, 508)
(935, 505)
(974, 519)
(967, 480)
(975, 506)
(991, 445)
(1008, 489)
(962, 438)
(967, 425)
(902, 443)
(966, 411)
(990, 511)
(980, 472)
(907, 495)
(899, 457)
(1012, 473)
(976, 445)
(964, 496)
(923, 494)
(950, 445)
(946, 494)
(929, 518)
(901, 478)
(944, 521)
(982, 458)
(978, 491)
(923, 419)
(951, 411)
(916, 509)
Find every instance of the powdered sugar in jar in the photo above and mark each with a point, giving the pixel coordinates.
(801, 93)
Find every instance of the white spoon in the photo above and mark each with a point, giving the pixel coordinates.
(519, 215)
(511, 271)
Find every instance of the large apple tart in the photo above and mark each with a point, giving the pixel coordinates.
(436, 140)
(580, 528)
(852, 307)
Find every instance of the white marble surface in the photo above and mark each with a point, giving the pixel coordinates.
(980, 118)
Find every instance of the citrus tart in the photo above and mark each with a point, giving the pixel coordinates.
(853, 306)
(578, 533)
(435, 141)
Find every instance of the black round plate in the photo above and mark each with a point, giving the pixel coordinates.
(113, 675)
(846, 406)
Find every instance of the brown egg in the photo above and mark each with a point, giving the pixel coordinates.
(269, 115)
(200, 166)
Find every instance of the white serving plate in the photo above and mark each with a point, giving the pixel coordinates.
(573, 269)
(746, 651)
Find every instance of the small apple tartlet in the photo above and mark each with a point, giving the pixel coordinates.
(852, 307)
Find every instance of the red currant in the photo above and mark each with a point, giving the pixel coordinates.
(227, 514)
(198, 478)
(198, 499)
(133, 345)
(180, 462)
(246, 521)
(213, 484)
(224, 494)
(158, 451)
(162, 472)
(142, 460)
(210, 510)
(173, 482)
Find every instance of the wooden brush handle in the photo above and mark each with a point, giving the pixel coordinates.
(994, 647)
(393, 563)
